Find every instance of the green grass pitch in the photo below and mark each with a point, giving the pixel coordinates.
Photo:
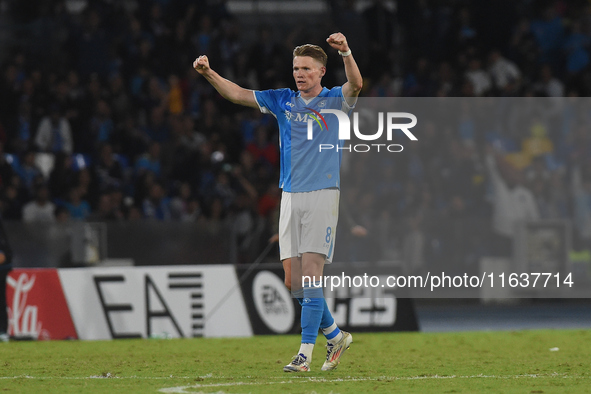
(471, 362)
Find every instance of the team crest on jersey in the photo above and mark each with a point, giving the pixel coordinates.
(287, 115)
(287, 111)
(322, 103)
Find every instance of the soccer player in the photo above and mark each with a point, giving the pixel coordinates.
(310, 181)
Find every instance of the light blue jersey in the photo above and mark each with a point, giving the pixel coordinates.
(303, 167)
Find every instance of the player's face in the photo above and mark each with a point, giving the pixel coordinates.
(307, 73)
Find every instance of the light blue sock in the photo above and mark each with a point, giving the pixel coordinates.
(327, 324)
(327, 319)
(312, 309)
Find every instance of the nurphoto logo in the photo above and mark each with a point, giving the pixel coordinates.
(345, 130)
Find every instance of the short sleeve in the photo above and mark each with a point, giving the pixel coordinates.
(266, 100)
(346, 105)
(337, 92)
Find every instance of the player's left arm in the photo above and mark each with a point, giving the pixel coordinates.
(354, 83)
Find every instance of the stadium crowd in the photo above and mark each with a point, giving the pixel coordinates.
(103, 118)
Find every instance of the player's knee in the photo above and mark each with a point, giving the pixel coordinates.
(287, 282)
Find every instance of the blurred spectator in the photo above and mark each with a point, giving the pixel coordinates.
(40, 209)
(9, 96)
(466, 31)
(130, 138)
(576, 48)
(157, 129)
(223, 189)
(108, 170)
(512, 202)
(385, 87)
(150, 161)
(24, 135)
(175, 96)
(29, 171)
(54, 133)
(246, 228)
(190, 138)
(537, 171)
(538, 143)
(6, 170)
(215, 216)
(524, 47)
(78, 208)
(118, 202)
(62, 215)
(11, 204)
(88, 186)
(262, 149)
(413, 247)
(548, 85)
(419, 82)
(62, 176)
(157, 204)
(75, 90)
(119, 98)
(101, 124)
(180, 206)
(505, 74)
(549, 33)
(193, 212)
(106, 212)
(447, 80)
(269, 201)
(480, 80)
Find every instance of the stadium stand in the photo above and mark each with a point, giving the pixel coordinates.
(99, 96)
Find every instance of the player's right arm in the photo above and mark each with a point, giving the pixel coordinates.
(228, 89)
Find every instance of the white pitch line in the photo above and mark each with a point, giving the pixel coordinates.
(348, 378)
(98, 377)
(108, 375)
(181, 389)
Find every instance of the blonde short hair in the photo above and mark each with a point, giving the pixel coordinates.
(313, 51)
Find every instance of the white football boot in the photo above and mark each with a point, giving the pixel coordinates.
(298, 364)
(334, 352)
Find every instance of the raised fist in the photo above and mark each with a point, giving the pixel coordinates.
(201, 64)
(338, 41)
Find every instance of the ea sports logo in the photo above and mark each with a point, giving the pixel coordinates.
(273, 302)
